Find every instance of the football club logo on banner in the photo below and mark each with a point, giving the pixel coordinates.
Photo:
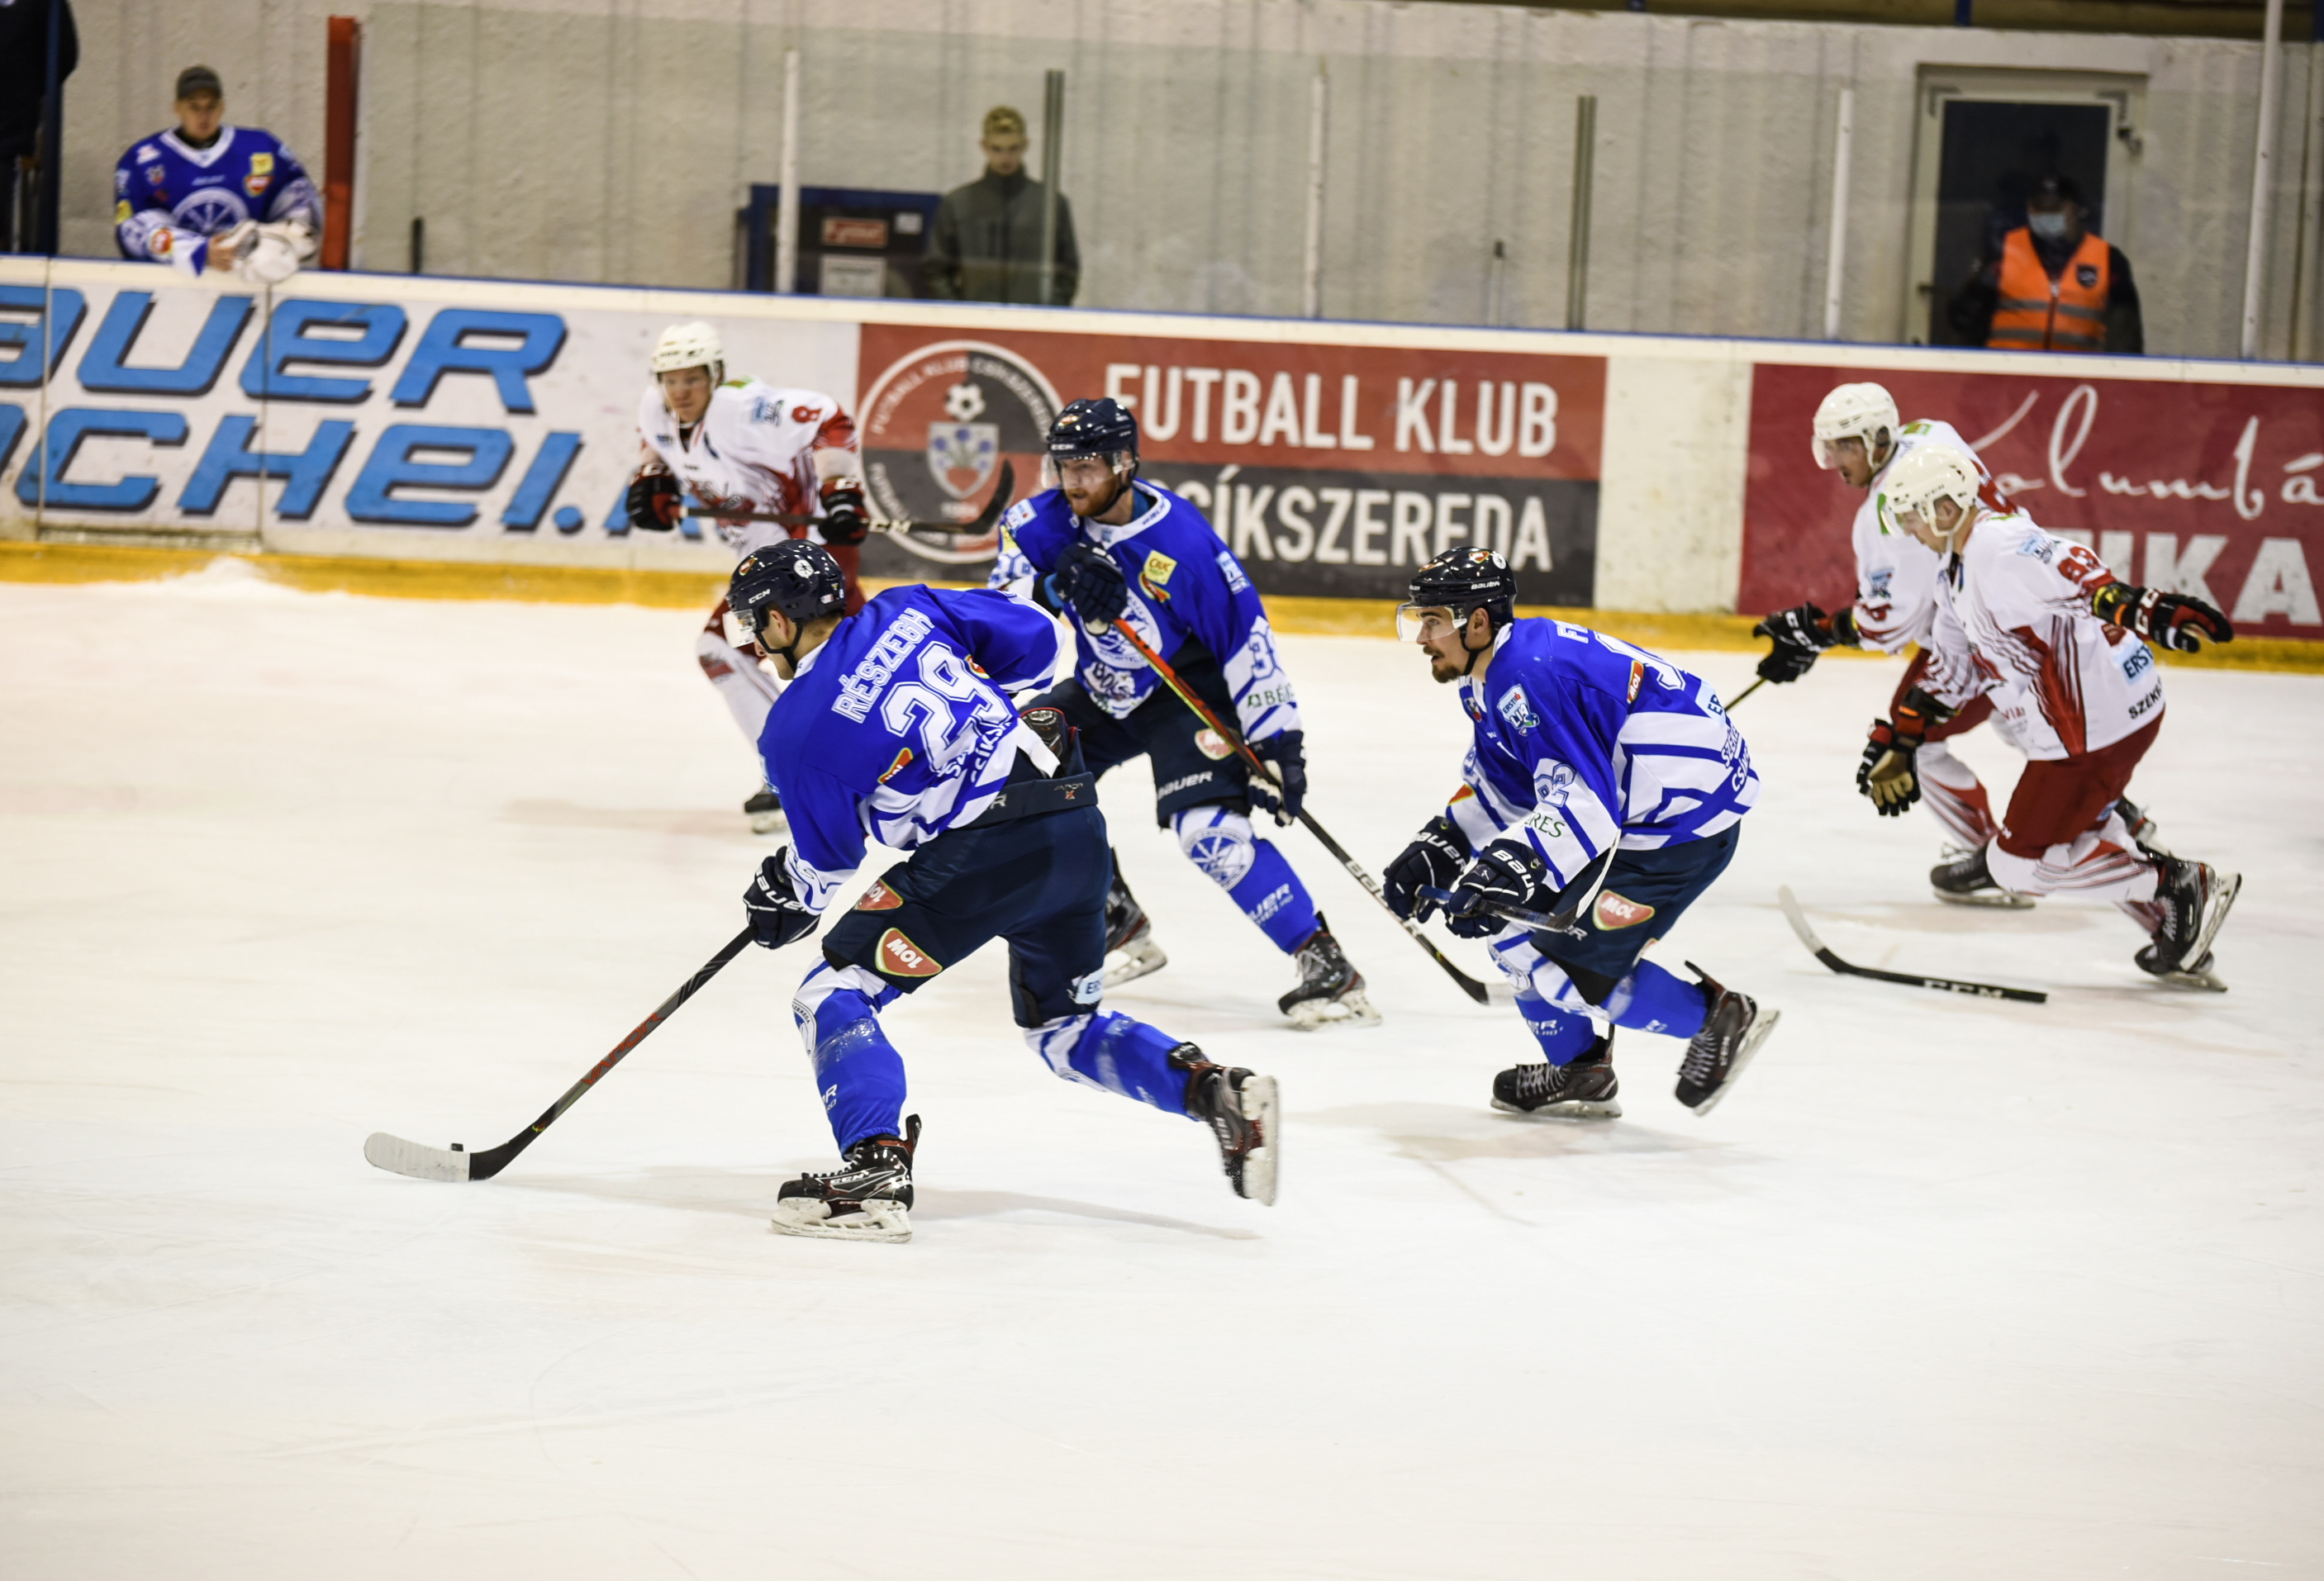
(936, 425)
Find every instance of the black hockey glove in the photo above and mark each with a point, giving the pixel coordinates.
(2171, 619)
(778, 915)
(1436, 858)
(845, 520)
(656, 501)
(1088, 579)
(1888, 774)
(1505, 873)
(1799, 636)
(1285, 754)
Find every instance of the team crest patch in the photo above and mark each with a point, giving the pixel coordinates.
(1214, 745)
(1515, 708)
(880, 898)
(2087, 273)
(899, 957)
(1615, 911)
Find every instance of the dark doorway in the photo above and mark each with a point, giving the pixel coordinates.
(1991, 155)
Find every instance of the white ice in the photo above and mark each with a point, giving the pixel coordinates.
(1945, 1289)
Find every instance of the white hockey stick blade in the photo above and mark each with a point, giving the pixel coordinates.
(1799, 919)
(397, 1156)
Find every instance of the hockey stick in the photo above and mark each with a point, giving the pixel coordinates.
(1233, 737)
(1003, 488)
(1944, 984)
(1747, 691)
(438, 1164)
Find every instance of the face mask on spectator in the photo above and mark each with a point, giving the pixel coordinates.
(2050, 227)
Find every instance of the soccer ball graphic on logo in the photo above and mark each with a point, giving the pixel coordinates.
(965, 402)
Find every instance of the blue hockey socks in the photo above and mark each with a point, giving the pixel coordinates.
(1118, 1053)
(1651, 999)
(1564, 1035)
(858, 1072)
(1256, 876)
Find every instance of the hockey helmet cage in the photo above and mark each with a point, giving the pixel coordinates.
(1855, 411)
(690, 345)
(1462, 581)
(1925, 474)
(797, 577)
(1104, 428)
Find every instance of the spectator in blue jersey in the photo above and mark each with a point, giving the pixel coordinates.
(1602, 781)
(210, 197)
(1100, 545)
(897, 725)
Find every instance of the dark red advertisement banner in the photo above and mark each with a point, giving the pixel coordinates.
(2207, 489)
(1330, 470)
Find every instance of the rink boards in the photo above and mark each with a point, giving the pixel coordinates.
(424, 419)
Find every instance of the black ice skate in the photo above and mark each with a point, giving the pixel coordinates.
(869, 1197)
(1331, 992)
(1582, 1088)
(2193, 898)
(1963, 879)
(1718, 1053)
(1129, 935)
(765, 812)
(1243, 1110)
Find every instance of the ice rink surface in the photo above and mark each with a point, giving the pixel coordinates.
(1946, 1288)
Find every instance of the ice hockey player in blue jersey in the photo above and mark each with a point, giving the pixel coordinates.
(896, 726)
(1601, 779)
(1100, 544)
(207, 196)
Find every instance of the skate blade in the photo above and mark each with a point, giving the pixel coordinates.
(2223, 901)
(1262, 1101)
(2002, 899)
(1138, 957)
(1350, 1009)
(768, 823)
(1761, 1026)
(1595, 1108)
(2204, 980)
(884, 1224)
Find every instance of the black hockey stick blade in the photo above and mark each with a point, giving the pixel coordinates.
(1747, 691)
(1943, 984)
(423, 1163)
(1003, 490)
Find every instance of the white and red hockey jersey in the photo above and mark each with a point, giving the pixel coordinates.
(755, 449)
(2013, 619)
(1896, 574)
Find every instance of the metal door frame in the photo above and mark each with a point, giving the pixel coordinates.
(2123, 95)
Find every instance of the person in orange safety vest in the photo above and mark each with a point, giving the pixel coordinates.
(2053, 285)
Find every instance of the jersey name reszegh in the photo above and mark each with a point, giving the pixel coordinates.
(860, 688)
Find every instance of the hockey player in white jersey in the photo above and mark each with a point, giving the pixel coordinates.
(2041, 629)
(1859, 434)
(745, 446)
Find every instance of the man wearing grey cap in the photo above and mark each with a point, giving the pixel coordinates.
(209, 196)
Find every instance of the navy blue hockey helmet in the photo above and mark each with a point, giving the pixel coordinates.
(1101, 429)
(1462, 580)
(797, 577)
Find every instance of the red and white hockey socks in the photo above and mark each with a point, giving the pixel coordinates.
(1950, 789)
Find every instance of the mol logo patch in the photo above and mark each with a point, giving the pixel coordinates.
(1212, 744)
(880, 898)
(899, 957)
(1615, 911)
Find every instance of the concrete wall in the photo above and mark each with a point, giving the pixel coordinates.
(611, 140)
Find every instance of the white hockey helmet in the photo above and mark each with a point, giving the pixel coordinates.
(1855, 411)
(690, 345)
(1923, 475)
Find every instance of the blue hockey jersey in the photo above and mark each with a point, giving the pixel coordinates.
(1584, 742)
(898, 727)
(1183, 581)
(168, 200)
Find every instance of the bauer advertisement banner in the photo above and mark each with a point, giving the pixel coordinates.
(434, 418)
(2208, 489)
(1331, 469)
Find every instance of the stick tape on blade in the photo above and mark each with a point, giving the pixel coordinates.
(396, 1155)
